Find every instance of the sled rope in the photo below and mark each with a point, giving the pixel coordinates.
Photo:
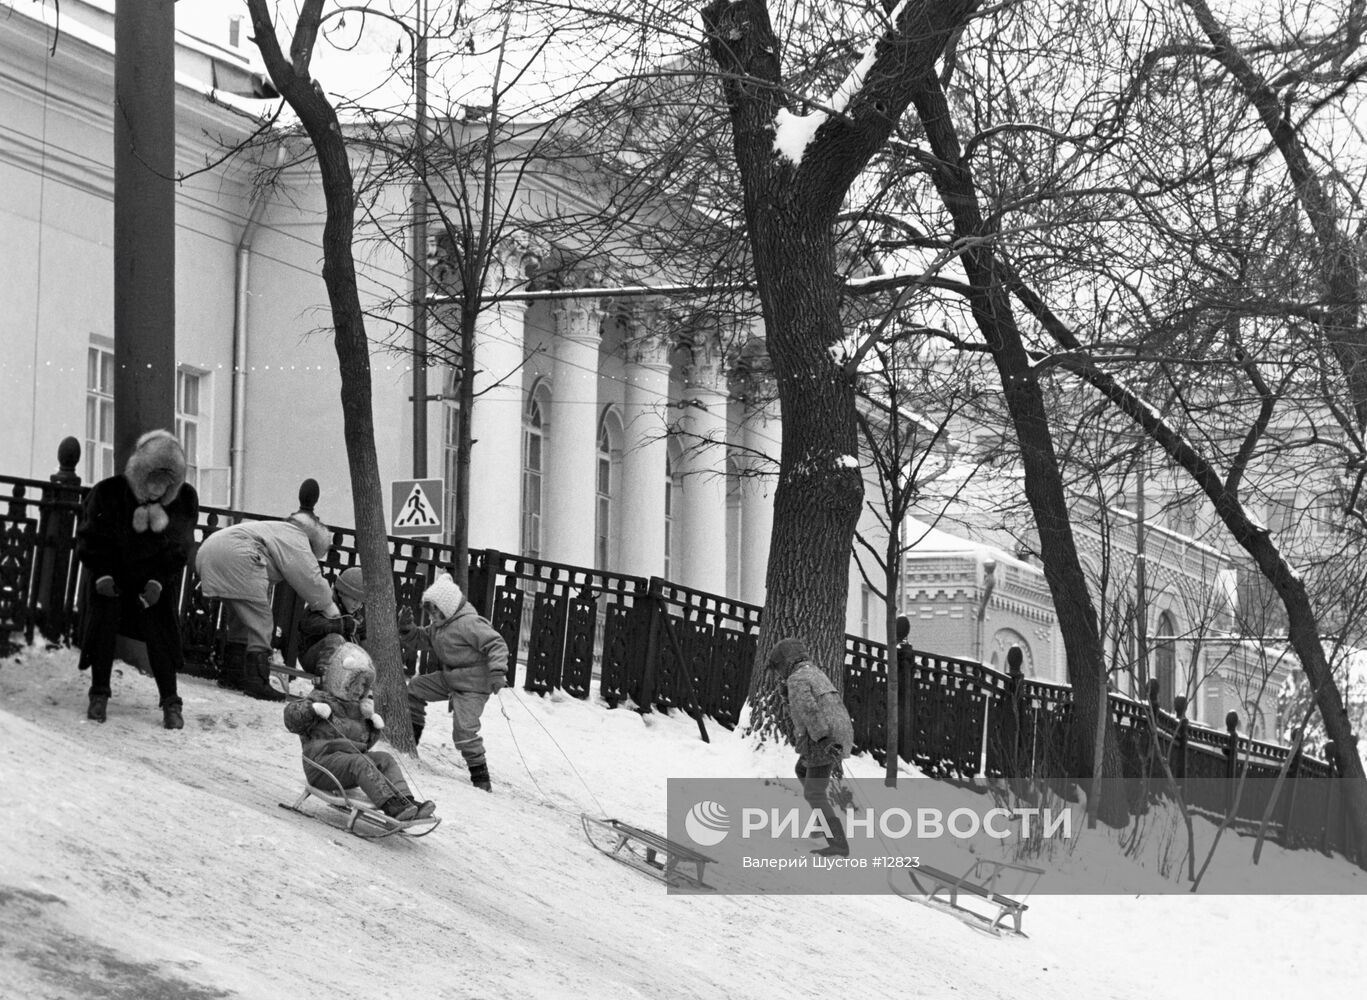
(413, 785)
(557, 746)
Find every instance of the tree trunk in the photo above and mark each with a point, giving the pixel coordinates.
(1043, 481)
(790, 212)
(319, 119)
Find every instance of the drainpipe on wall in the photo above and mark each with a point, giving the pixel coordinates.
(237, 441)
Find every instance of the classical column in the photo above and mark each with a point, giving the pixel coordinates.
(762, 436)
(702, 424)
(570, 489)
(496, 456)
(645, 452)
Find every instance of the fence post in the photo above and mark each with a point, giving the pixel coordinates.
(59, 511)
(1177, 758)
(1155, 746)
(655, 608)
(1231, 758)
(1292, 780)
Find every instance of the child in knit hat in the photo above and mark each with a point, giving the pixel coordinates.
(473, 664)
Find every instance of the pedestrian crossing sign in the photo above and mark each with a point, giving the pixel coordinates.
(415, 507)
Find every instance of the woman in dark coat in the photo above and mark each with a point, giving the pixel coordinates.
(135, 537)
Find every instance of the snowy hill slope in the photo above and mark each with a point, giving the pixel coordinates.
(136, 862)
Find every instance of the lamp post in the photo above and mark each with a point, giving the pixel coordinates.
(419, 252)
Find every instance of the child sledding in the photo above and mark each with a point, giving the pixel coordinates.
(338, 727)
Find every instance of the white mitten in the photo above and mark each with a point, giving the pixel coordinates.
(367, 707)
(322, 710)
(377, 720)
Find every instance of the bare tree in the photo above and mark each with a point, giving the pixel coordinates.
(292, 79)
(792, 202)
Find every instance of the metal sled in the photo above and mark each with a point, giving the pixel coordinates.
(364, 818)
(980, 886)
(647, 852)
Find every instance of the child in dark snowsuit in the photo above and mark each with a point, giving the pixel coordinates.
(821, 730)
(338, 725)
(319, 634)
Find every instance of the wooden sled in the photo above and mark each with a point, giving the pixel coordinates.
(365, 819)
(979, 888)
(647, 852)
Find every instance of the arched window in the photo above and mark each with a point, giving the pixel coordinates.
(602, 511)
(672, 488)
(1165, 661)
(533, 449)
(605, 482)
(450, 450)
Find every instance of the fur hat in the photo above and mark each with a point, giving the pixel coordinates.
(786, 655)
(349, 672)
(351, 585)
(444, 595)
(155, 473)
(320, 536)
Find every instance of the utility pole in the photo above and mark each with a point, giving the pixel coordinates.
(420, 247)
(144, 221)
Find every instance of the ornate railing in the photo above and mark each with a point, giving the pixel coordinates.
(656, 644)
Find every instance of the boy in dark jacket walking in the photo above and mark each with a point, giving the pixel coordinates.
(473, 660)
(821, 730)
(338, 725)
(135, 537)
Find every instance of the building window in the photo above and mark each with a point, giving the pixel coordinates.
(450, 454)
(187, 421)
(1165, 661)
(533, 443)
(671, 506)
(603, 506)
(605, 487)
(235, 31)
(99, 414)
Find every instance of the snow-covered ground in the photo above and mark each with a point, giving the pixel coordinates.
(141, 863)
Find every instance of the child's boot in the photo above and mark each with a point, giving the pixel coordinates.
(479, 777)
(98, 705)
(425, 809)
(400, 807)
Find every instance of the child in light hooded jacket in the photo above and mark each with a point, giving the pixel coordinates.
(338, 727)
(474, 664)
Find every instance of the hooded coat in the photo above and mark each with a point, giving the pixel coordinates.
(815, 710)
(241, 561)
(348, 677)
(472, 654)
(126, 536)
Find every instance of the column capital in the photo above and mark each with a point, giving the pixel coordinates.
(649, 351)
(705, 372)
(580, 320)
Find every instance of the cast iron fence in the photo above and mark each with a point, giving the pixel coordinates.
(656, 644)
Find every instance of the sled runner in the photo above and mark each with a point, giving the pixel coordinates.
(982, 884)
(647, 852)
(364, 818)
